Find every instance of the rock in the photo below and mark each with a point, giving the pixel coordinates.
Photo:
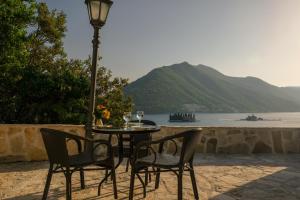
(292, 147)
(287, 135)
(211, 146)
(233, 132)
(36, 154)
(14, 130)
(30, 135)
(277, 142)
(251, 140)
(3, 145)
(211, 133)
(17, 144)
(200, 148)
(240, 148)
(237, 138)
(296, 135)
(261, 147)
(2, 133)
(265, 135)
(203, 139)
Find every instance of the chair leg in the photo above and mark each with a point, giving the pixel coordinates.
(146, 177)
(149, 176)
(68, 185)
(113, 175)
(127, 164)
(143, 184)
(131, 184)
(194, 183)
(48, 181)
(106, 174)
(103, 180)
(180, 174)
(157, 178)
(82, 185)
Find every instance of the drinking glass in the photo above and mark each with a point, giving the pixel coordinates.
(139, 116)
(127, 118)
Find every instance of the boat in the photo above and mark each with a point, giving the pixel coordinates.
(253, 118)
(182, 117)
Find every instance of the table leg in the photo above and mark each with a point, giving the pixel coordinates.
(121, 150)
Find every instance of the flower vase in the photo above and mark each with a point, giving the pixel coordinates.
(99, 122)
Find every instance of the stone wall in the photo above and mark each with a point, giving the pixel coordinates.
(242, 140)
(24, 142)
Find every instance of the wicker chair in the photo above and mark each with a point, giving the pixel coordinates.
(60, 161)
(133, 140)
(163, 162)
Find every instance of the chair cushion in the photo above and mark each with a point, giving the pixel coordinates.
(81, 159)
(161, 160)
(85, 159)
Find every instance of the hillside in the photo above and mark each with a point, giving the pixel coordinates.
(184, 87)
(293, 92)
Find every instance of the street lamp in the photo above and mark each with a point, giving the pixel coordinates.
(98, 12)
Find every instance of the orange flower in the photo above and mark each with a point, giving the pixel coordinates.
(106, 114)
(100, 107)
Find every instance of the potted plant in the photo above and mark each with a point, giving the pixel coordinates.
(102, 113)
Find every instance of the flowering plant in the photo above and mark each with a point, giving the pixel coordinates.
(101, 111)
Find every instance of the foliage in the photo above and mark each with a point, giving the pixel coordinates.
(15, 16)
(110, 90)
(38, 83)
(46, 39)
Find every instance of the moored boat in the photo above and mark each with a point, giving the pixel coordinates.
(253, 118)
(182, 117)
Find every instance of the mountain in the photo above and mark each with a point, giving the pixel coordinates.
(293, 92)
(186, 88)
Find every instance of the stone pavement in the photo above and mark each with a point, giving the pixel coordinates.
(219, 177)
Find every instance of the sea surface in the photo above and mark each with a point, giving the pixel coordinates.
(232, 120)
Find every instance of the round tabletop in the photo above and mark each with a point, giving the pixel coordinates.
(130, 130)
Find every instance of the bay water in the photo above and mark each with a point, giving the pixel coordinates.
(291, 119)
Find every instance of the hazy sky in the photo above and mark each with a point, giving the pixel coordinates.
(237, 37)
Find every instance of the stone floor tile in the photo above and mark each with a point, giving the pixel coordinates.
(228, 177)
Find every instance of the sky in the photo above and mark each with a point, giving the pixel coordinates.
(241, 38)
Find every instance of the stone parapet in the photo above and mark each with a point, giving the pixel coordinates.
(242, 140)
(20, 142)
(24, 142)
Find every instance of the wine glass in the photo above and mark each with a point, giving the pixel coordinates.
(139, 116)
(127, 118)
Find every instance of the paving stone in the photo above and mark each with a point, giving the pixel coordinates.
(221, 177)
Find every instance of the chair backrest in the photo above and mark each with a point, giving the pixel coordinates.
(190, 140)
(146, 136)
(56, 146)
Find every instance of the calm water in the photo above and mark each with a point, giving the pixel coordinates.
(233, 120)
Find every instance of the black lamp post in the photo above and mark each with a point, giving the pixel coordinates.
(98, 12)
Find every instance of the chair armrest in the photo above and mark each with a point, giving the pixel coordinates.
(171, 137)
(78, 140)
(161, 142)
(79, 146)
(175, 144)
(77, 137)
(97, 142)
(101, 143)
